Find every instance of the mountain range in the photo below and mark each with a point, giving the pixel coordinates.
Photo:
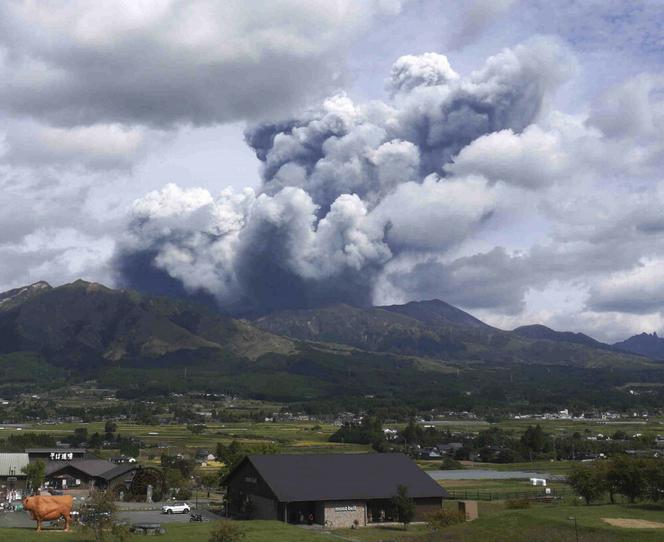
(138, 342)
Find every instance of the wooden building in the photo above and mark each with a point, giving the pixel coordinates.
(336, 490)
(89, 473)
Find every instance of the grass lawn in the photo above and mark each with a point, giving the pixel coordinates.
(377, 534)
(551, 523)
(257, 531)
(542, 523)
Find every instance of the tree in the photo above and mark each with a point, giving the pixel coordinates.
(587, 482)
(404, 506)
(196, 428)
(235, 452)
(99, 518)
(603, 470)
(654, 480)
(110, 427)
(628, 475)
(209, 480)
(534, 440)
(226, 531)
(35, 474)
(81, 433)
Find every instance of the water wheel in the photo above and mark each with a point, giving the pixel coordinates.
(144, 477)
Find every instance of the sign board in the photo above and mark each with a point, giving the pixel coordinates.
(345, 508)
(61, 456)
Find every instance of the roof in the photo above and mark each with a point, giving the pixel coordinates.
(119, 470)
(11, 464)
(317, 477)
(56, 450)
(99, 468)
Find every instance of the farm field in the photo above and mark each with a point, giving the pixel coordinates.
(554, 426)
(309, 437)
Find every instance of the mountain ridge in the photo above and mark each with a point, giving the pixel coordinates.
(644, 344)
(426, 353)
(438, 330)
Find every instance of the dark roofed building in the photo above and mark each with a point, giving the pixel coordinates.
(337, 490)
(56, 454)
(88, 473)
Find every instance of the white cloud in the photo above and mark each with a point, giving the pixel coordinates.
(168, 62)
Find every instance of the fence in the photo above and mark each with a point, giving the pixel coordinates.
(488, 495)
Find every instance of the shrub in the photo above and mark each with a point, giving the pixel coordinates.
(517, 504)
(444, 518)
(404, 506)
(450, 464)
(184, 494)
(99, 518)
(226, 531)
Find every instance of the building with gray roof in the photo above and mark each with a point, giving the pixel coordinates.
(337, 490)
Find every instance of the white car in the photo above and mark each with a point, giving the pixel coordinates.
(176, 508)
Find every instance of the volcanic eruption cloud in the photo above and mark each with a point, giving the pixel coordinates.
(350, 192)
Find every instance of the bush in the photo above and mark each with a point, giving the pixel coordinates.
(184, 494)
(517, 504)
(450, 464)
(444, 518)
(99, 518)
(226, 531)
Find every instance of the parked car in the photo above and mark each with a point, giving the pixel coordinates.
(176, 508)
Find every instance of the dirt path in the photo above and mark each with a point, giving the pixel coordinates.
(633, 523)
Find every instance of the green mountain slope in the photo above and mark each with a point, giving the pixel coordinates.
(437, 330)
(538, 331)
(423, 355)
(82, 324)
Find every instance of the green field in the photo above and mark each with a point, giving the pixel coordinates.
(309, 437)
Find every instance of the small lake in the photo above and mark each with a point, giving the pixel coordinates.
(486, 474)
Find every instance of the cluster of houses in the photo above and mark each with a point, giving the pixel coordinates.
(596, 416)
(439, 451)
(66, 469)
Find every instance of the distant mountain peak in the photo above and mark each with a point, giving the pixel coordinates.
(16, 296)
(436, 312)
(542, 332)
(644, 344)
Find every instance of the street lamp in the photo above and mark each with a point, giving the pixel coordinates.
(576, 527)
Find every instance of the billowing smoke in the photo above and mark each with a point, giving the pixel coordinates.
(346, 189)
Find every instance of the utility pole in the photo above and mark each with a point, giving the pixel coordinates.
(576, 527)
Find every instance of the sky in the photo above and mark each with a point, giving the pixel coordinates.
(502, 155)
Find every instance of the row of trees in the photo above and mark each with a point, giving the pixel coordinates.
(493, 445)
(634, 478)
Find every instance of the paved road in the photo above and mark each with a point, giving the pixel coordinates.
(486, 474)
(158, 517)
(22, 519)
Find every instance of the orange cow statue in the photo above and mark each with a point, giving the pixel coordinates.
(49, 508)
